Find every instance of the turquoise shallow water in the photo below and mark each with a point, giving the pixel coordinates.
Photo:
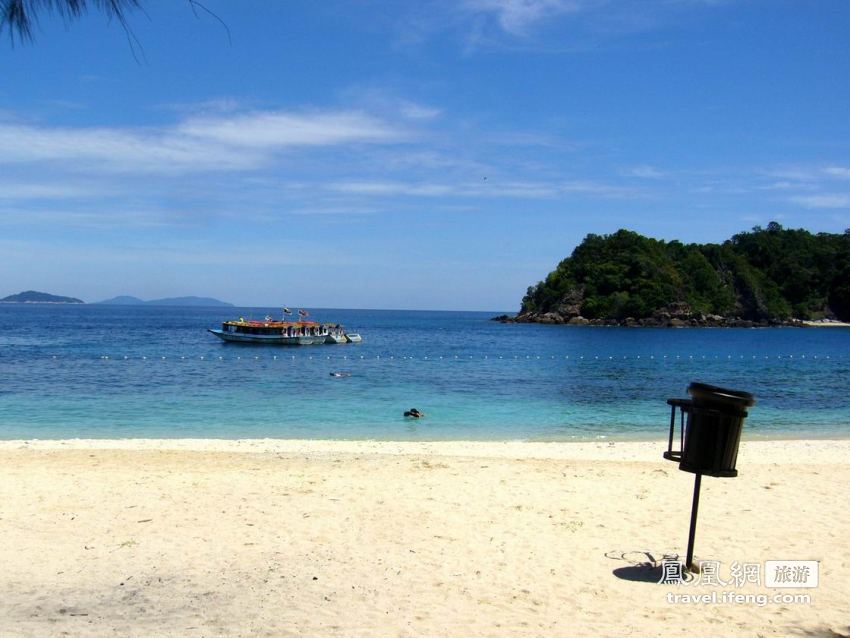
(111, 371)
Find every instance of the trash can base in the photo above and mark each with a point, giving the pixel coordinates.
(693, 469)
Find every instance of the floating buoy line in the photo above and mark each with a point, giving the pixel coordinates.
(459, 358)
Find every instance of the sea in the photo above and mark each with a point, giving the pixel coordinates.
(99, 371)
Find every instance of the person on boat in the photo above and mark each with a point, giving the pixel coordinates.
(414, 413)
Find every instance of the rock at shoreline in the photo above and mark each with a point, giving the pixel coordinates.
(659, 320)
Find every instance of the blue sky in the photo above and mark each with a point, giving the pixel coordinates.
(434, 155)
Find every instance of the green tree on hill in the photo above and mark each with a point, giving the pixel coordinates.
(768, 274)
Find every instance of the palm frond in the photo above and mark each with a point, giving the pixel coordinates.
(19, 16)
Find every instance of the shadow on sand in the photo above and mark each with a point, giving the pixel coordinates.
(642, 566)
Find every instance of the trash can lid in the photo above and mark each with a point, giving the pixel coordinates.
(716, 394)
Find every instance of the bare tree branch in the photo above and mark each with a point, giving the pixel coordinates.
(197, 5)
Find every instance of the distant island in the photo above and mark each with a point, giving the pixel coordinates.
(33, 296)
(769, 276)
(127, 300)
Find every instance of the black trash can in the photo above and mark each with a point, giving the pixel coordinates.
(713, 433)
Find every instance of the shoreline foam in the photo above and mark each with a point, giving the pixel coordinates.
(761, 450)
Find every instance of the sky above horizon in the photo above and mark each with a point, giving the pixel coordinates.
(421, 155)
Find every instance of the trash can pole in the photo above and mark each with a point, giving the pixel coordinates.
(672, 427)
(689, 562)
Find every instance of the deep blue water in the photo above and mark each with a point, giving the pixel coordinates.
(113, 371)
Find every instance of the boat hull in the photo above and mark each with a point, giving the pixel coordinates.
(273, 340)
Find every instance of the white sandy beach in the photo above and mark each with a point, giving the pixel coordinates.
(293, 538)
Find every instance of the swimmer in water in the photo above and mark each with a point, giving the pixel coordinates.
(340, 374)
(413, 412)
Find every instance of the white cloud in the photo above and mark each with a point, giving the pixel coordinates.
(117, 149)
(47, 190)
(842, 172)
(94, 218)
(808, 173)
(783, 185)
(644, 171)
(832, 200)
(414, 111)
(518, 16)
(597, 188)
(484, 189)
(277, 130)
(393, 188)
(235, 142)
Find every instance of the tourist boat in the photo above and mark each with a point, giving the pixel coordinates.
(282, 332)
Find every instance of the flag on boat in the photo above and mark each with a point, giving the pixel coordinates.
(303, 313)
(287, 311)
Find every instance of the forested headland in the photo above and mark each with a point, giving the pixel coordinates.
(768, 276)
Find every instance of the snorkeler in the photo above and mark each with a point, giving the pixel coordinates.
(413, 412)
